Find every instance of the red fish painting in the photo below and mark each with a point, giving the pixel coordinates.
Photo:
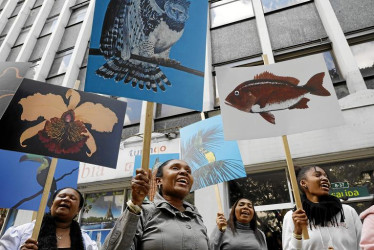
(268, 92)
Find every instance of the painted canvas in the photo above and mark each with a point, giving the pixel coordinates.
(212, 159)
(151, 50)
(102, 210)
(51, 120)
(11, 75)
(278, 99)
(17, 169)
(155, 160)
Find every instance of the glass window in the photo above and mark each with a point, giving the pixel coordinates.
(22, 36)
(364, 55)
(270, 222)
(264, 188)
(49, 26)
(228, 11)
(358, 176)
(60, 63)
(133, 110)
(270, 5)
(17, 9)
(164, 110)
(77, 15)
(330, 63)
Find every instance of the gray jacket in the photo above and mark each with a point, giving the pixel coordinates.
(159, 226)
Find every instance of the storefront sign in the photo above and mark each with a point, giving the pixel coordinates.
(352, 192)
(344, 184)
(126, 158)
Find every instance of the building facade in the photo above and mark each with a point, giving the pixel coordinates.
(54, 35)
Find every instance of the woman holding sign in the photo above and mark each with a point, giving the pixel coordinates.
(166, 223)
(331, 224)
(241, 231)
(59, 230)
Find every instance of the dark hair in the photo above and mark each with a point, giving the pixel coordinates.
(301, 174)
(81, 199)
(160, 172)
(232, 218)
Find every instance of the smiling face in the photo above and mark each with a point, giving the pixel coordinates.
(244, 211)
(176, 179)
(315, 184)
(66, 205)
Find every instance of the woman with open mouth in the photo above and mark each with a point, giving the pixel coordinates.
(330, 224)
(168, 222)
(59, 230)
(240, 230)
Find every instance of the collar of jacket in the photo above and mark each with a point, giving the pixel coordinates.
(160, 202)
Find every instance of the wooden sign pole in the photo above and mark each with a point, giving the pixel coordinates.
(147, 135)
(216, 188)
(291, 169)
(43, 202)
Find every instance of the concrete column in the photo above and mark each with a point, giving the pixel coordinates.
(54, 42)
(344, 57)
(16, 28)
(208, 98)
(36, 28)
(262, 30)
(80, 48)
(6, 12)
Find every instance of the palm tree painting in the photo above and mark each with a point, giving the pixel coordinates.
(212, 159)
(20, 168)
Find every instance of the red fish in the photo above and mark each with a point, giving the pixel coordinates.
(268, 92)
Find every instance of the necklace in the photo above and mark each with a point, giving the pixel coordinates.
(59, 237)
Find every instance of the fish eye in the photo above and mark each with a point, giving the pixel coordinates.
(236, 92)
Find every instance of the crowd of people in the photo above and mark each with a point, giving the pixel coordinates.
(169, 222)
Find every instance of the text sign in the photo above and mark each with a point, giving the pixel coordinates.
(344, 184)
(352, 192)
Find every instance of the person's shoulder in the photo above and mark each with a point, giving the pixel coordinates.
(348, 208)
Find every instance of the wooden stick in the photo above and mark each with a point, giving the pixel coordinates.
(295, 187)
(43, 202)
(291, 169)
(147, 135)
(216, 188)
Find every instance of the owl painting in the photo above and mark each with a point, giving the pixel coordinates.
(145, 28)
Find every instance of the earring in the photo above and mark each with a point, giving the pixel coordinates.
(305, 186)
(159, 186)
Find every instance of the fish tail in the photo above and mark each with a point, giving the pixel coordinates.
(315, 85)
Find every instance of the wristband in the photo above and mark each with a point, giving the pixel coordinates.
(133, 208)
(297, 236)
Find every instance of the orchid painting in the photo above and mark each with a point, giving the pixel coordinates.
(65, 123)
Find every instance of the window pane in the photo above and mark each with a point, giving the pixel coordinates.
(261, 188)
(77, 15)
(269, 5)
(356, 173)
(133, 110)
(164, 110)
(364, 55)
(49, 26)
(60, 64)
(228, 11)
(270, 222)
(101, 210)
(330, 63)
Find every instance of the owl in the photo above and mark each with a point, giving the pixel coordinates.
(145, 28)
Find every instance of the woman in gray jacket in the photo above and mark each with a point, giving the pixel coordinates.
(240, 230)
(166, 223)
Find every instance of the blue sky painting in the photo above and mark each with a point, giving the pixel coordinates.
(18, 179)
(188, 48)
